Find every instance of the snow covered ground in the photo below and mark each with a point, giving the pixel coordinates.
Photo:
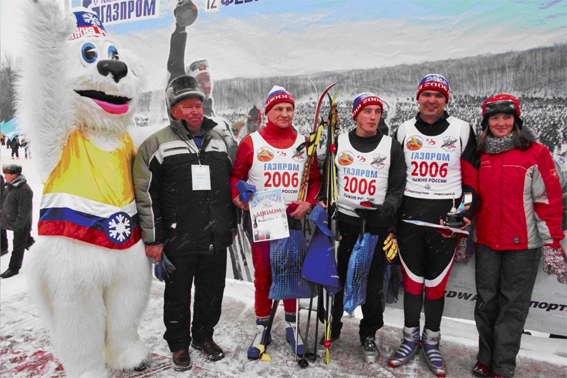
(25, 350)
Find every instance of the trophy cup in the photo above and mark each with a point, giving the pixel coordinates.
(454, 217)
(185, 13)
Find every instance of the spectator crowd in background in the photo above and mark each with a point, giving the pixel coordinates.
(546, 116)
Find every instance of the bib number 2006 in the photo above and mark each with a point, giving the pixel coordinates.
(278, 179)
(431, 170)
(360, 186)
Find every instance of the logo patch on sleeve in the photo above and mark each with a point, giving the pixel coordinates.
(517, 240)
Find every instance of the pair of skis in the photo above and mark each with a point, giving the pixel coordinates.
(239, 249)
(311, 147)
(330, 177)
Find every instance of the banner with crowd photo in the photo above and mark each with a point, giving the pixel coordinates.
(239, 49)
(548, 308)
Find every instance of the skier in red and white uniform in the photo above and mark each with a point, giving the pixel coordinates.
(268, 159)
(370, 168)
(442, 165)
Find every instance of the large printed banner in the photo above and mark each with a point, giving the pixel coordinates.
(245, 47)
(117, 11)
(548, 309)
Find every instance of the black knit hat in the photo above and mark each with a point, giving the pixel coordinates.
(12, 169)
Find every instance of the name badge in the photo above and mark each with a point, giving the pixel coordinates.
(201, 177)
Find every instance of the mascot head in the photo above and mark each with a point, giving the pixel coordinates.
(102, 79)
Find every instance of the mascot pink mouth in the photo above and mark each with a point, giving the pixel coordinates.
(110, 104)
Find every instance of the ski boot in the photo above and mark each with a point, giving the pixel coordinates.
(430, 342)
(253, 351)
(369, 349)
(410, 345)
(290, 338)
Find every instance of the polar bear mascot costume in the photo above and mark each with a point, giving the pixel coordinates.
(88, 270)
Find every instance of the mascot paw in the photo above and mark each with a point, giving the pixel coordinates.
(130, 358)
(50, 16)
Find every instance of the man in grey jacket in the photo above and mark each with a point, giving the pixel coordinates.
(16, 215)
(181, 182)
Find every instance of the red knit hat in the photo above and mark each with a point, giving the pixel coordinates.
(434, 82)
(278, 94)
(363, 100)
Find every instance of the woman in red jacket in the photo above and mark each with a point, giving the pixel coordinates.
(520, 212)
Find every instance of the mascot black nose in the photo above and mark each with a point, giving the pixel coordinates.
(117, 68)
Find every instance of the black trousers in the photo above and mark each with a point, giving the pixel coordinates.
(208, 272)
(504, 285)
(4, 238)
(20, 243)
(373, 309)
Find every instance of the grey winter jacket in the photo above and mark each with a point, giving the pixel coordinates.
(187, 221)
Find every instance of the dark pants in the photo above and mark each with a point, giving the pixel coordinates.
(208, 272)
(20, 243)
(373, 308)
(4, 237)
(504, 285)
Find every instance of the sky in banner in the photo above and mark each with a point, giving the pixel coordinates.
(263, 38)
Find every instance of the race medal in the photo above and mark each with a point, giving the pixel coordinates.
(201, 177)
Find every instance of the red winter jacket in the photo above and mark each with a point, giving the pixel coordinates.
(520, 200)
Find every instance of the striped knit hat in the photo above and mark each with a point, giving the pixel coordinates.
(363, 100)
(278, 94)
(88, 25)
(434, 82)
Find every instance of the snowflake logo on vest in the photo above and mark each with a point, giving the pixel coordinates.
(378, 161)
(449, 143)
(118, 228)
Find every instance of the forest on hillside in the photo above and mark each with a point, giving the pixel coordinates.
(539, 72)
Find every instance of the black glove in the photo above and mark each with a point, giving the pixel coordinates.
(163, 268)
(381, 212)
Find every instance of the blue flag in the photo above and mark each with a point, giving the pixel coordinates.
(320, 266)
(10, 129)
(286, 257)
(357, 274)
